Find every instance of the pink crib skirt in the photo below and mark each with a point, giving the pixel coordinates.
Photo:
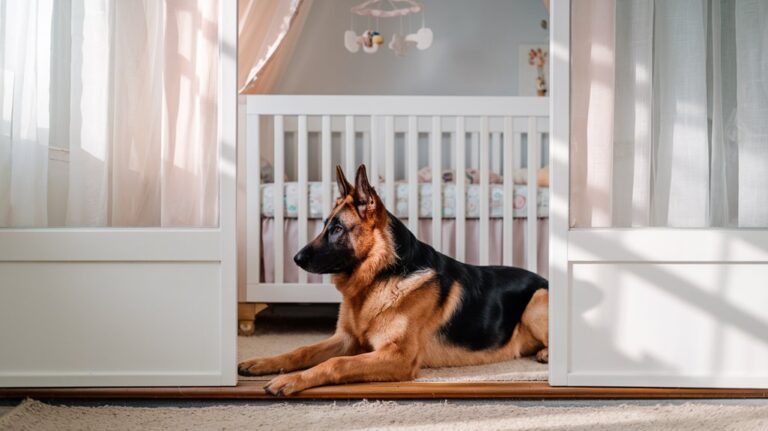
(291, 245)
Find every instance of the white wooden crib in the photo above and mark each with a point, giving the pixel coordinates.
(304, 137)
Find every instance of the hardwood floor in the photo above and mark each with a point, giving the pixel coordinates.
(406, 390)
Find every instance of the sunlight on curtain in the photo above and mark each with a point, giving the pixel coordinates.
(752, 107)
(133, 91)
(668, 125)
(25, 38)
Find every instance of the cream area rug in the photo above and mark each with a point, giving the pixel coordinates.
(283, 328)
(389, 415)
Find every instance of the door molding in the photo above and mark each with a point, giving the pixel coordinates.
(559, 159)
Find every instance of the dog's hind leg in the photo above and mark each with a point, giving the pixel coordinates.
(536, 317)
(532, 333)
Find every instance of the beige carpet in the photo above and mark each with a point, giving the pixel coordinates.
(273, 343)
(421, 416)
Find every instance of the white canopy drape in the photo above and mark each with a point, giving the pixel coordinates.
(267, 35)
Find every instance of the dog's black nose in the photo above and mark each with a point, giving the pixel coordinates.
(302, 257)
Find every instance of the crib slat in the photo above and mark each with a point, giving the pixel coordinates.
(519, 129)
(366, 148)
(508, 201)
(532, 204)
(436, 158)
(496, 157)
(485, 193)
(413, 175)
(349, 146)
(373, 168)
(389, 161)
(279, 192)
(325, 142)
(303, 190)
(253, 197)
(461, 189)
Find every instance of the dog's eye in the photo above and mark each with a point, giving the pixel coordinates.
(336, 229)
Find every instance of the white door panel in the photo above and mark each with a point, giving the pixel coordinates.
(111, 323)
(658, 324)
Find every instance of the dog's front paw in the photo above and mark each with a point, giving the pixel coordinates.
(286, 384)
(256, 367)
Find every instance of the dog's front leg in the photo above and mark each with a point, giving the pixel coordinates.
(390, 363)
(303, 357)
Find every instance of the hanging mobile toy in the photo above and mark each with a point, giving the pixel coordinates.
(370, 40)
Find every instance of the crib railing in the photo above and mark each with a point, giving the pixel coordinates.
(492, 134)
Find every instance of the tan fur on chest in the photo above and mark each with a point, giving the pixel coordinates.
(385, 310)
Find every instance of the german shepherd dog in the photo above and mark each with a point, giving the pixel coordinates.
(405, 305)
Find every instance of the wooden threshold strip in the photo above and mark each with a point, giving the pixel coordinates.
(404, 390)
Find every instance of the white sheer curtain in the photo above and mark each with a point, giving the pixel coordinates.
(670, 121)
(127, 90)
(25, 36)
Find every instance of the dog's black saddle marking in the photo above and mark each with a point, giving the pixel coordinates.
(493, 298)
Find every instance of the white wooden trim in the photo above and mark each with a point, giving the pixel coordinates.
(485, 193)
(412, 145)
(253, 194)
(533, 196)
(115, 379)
(436, 158)
(655, 380)
(338, 123)
(326, 165)
(325, 139)
(227, 135)
(292, 293)
(278, 207)
(375, 143)
(109, 244)
(349, 147)
(496, 157)
(509, 202)
(667, 245)
(389, 160)
(398, 105)
(303, 160)
(461, 189)
(559, 151)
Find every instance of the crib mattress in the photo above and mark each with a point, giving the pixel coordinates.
(520, 200)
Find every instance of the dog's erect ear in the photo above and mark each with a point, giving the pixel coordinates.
(344, 186)
(365, 195)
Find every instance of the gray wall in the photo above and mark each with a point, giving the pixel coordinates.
(474, 53)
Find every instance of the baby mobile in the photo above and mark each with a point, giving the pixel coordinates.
(401, 42)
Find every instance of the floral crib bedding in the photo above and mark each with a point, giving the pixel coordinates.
(520, 200)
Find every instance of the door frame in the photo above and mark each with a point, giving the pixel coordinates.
(559, 196)
(162, 246)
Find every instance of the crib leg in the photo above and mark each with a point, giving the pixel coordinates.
(246, 314)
